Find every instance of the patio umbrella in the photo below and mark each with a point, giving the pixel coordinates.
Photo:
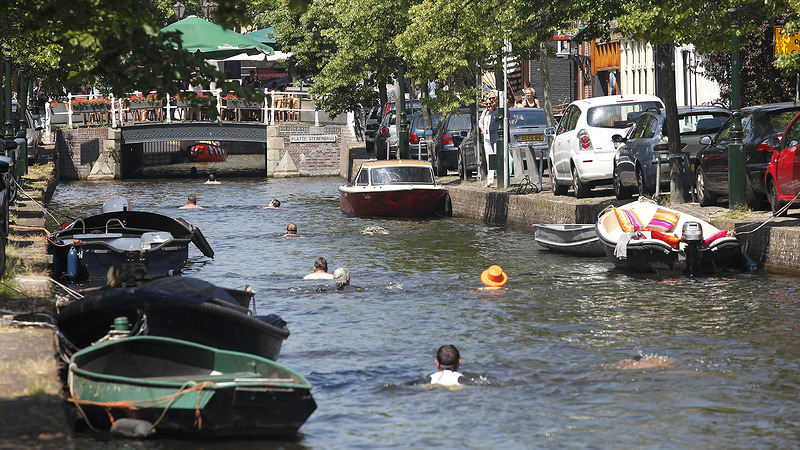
(214, 42)
(265, 36)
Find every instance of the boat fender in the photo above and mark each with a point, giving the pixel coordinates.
(132, 428)
(72, 263)
(747, 262)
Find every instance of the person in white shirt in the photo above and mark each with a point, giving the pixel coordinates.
(448, 359)
(320, 271)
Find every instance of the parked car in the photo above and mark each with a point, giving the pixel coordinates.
(416, 136)
(526, 130)
(783, 172)
(452, 129)
(371, 123)
(759, 124)
(387, 131)
(636, 160)
(582, 152)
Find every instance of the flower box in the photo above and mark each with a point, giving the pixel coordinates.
(88, 108)
(144, 105)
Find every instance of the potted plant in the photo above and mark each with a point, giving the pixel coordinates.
(232, 101)
(87, 105)
(139, 101)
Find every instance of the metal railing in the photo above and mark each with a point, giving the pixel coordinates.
(278, 106)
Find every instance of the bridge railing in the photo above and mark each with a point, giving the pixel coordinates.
(277, 106)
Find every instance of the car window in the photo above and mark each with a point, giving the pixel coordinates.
(775, 121)
(617, 115)
(639, 128)
(724, 132)
(792, 135)
(402, 175)
(530, 117)
(651, 128)
(570, 119)
(702, 123)
(459, 122)
(419, 121)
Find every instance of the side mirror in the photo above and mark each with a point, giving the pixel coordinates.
(617, 138)
(463, 133)
(705, 140)
(772, 143)
(550, 131)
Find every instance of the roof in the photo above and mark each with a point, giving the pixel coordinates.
(394, 162)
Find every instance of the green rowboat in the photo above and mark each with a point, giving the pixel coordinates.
(185, 388)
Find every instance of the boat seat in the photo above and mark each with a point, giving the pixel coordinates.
(152, 239)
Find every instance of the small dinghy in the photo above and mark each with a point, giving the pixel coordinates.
(642, 236)
(181, 388)
(205, 152)
(570, 238)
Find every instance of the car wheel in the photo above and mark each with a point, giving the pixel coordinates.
(581, 189)
(774, 203)
(640, 183)
(754, 200)
(620, 191)
(704, 196)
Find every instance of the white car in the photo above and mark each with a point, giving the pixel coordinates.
(582, 152)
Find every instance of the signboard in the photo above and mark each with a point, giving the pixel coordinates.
(272, 79)
(784, 44)
(307, 138)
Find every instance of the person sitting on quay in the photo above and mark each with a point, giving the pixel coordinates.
(448, 360)
(291, 230)
(191, 203)
(211, 179)
(341, 277)
(320, 271)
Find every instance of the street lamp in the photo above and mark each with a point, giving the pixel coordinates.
(208, 9)
(180, 10)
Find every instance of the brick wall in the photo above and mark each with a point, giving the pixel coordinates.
(77, 150)
(316, 158)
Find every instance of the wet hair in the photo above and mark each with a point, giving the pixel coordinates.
(321, 264)
(448, 357)
(340, 276)
(193, 199)
(291, 228)
(211, 177)
(275, 202)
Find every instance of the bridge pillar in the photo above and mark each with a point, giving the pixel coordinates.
(279, 161)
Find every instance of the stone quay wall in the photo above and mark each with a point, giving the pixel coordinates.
(307, 150)
(77, 150)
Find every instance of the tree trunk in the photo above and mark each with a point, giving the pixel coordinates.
(677, 178)
(544, 62)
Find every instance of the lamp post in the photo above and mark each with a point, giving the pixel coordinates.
(208, 9)
(736, 169)
(180, 10)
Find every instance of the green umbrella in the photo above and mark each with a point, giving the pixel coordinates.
(265, 36)
(212, 41)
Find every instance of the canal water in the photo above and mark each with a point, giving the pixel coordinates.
(541, 354)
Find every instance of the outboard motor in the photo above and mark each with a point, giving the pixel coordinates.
(117, 204)
(692, 236)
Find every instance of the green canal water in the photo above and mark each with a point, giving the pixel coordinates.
(541, 354)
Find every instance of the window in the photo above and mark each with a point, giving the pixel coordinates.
(362, 178)
(402, 175)
(617, 115)
(701, 124)
(570, 119)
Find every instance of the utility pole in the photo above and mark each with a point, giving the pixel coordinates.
(402, 124)
(736, 169)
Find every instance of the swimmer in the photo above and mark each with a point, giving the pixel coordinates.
(646, 362)
(374, 230)
(274, 203)
(211, 179)
(494, 277)
(291, 230)
(191, 203)
(448, 360)
(319, 271)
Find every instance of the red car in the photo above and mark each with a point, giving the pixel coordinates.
(782, 179)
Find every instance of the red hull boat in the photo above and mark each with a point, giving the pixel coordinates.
(206, 153)
(393, 189)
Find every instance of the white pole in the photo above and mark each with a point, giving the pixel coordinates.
(505, 116)
(69, 110)
(113, 112)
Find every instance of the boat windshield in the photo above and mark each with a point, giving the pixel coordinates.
(402, 175)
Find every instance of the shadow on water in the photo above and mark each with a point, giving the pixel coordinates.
(546, 347)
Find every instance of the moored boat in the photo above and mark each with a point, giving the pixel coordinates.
(177, 307)
(86, 248)
(206, 152)
(181, 387)
(642, 236)
(394, 189)
(570, 238)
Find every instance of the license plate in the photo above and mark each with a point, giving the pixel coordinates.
(531, 138)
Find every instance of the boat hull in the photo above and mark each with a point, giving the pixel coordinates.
(188, 389)
(571, 239)
(410, 202)
(206, 153)
(157, 242)
(178, 307)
